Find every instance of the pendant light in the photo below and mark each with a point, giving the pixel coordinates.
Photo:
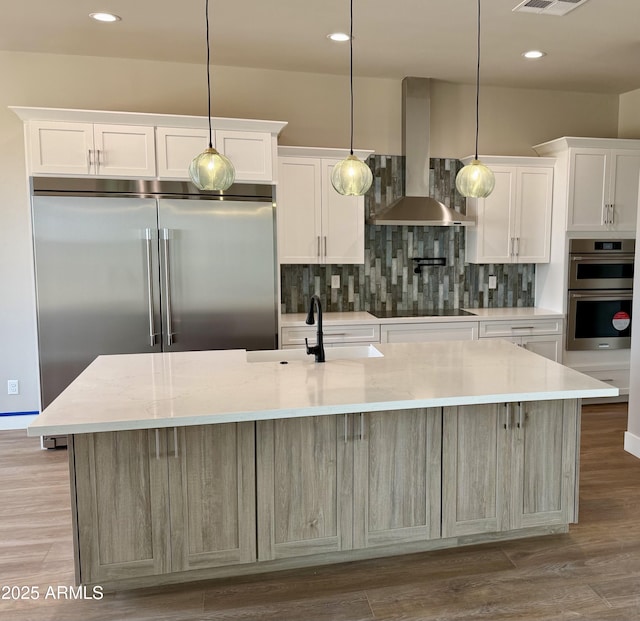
(351, 176)
(211, 170)
(475, 180)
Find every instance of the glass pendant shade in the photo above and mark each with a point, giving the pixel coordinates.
(351, 177)
(212, 171)
(475, 180)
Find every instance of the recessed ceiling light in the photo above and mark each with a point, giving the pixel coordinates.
(105, 17)
(338, 36)
(534, 54)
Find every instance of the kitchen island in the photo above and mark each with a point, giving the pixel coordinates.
(205, 464)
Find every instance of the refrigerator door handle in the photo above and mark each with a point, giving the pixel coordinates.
(167, 285)
(148, 236)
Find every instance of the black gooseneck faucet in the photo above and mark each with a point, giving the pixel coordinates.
(318, 348)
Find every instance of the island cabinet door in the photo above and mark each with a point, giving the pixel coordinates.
(305, 486)
(397, 476)
(475, 451)
(212, 495)
(121, 497)
(543, 471)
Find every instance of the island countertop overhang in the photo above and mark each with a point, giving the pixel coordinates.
(140, 391)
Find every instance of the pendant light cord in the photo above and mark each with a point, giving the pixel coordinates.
(208, 74)
(478, 84)
(351, 71)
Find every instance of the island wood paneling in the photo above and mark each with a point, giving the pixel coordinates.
(397, 477)
(592, 573)
(305, 480)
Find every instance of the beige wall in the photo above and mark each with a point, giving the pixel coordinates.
(629, 122)
(316, 107)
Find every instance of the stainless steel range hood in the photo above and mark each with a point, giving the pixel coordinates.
(417, 208)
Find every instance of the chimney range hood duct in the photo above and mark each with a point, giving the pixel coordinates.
(417, 208)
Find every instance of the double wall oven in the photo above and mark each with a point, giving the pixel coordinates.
(600, 293)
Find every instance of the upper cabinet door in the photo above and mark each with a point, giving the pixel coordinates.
(342, 222)
(625, 173)
(492, 239)
(60, 148)
(86, 149)
(250, 152)
(588, 189)
(299, 200)
(176, 147)
(124, 151)
(533, 215)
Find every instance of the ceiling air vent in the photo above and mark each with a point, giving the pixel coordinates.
(549, 7)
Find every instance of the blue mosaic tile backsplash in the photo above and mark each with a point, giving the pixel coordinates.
(387, 280)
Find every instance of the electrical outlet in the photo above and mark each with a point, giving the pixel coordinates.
(493, 282)
(335, 281)
(13, 387)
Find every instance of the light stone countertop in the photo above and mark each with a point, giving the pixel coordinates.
(290, 320)
(140, 391)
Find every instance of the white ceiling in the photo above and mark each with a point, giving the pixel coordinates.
(595, 48)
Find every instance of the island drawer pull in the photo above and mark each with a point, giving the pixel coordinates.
(346, 428)
(361, 436)
(520, 414)
(507, 415)
(157, 444)
(523, 327)
(175, 442)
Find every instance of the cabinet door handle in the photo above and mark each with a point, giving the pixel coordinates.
(520, 413)
(361, 436)
(318, 246)
(98, 162)
(157, 444)
(507, 415)
(517, 246)
(89, 162)
(325, 247)
(612, 218)
(346, 428)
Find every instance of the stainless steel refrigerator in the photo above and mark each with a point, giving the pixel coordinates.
(127, 266)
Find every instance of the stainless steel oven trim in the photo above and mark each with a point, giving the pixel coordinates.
(598, 295)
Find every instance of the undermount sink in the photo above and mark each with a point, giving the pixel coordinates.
(331, 353)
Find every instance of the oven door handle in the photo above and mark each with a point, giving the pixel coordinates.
(604, 294)
(620, 258)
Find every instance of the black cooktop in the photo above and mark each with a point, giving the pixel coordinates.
(389, 314)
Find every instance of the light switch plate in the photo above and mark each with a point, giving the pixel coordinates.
(493, 282)
(335, 281)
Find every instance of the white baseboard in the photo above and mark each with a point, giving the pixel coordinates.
(632, 444)
(16, 422)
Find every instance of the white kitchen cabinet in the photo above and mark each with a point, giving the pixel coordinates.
(250, 152)
(429, 331)
(315, 223)
(333, 335)
(67, 142)
(508, 466)
(603, 189)
(541, 336)
(596, 183)
(60, 148)
(513, 224)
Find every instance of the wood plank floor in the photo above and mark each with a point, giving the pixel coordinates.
(591, 573)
